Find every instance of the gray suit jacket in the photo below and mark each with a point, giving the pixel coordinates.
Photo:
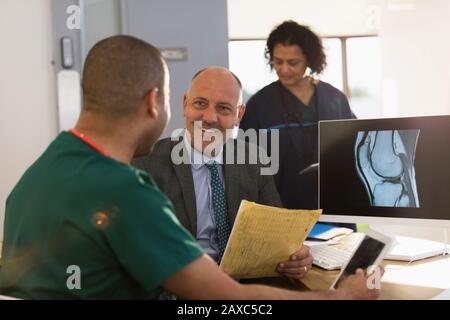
(242, 181)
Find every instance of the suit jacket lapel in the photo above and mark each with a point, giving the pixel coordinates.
(184, 174)
(232, 177)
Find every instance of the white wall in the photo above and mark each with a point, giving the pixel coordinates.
(256, 18)
(27, 92)
(416, 57)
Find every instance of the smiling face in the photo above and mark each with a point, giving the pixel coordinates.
(290, 64)
(215, 99)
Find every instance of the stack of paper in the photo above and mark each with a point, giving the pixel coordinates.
(262, 237)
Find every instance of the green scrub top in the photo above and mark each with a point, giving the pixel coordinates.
(79, 224)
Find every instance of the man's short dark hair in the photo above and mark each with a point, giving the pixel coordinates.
(118, 73)
(291, 33)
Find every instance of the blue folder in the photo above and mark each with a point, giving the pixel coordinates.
(318, 229)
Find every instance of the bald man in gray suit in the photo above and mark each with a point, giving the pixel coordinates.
(214, 100)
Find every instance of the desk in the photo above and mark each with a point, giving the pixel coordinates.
(420, 280)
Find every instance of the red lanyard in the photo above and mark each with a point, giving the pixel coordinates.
(89, 142)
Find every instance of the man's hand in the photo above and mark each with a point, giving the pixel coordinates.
(356, 287)
(298, 264)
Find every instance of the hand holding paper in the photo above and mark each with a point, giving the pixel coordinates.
(263, 236)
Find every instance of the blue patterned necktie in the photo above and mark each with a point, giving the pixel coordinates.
(220, 208)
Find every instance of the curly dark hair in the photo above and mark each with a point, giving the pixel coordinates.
(291, 33)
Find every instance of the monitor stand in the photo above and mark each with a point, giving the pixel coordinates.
(405, 248)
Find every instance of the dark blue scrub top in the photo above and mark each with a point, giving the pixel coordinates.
(298, 135)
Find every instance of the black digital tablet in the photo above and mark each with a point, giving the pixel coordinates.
(370, 252)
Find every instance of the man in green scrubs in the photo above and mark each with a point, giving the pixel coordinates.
(83, 223)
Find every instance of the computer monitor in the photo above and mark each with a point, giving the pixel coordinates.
(381, 171)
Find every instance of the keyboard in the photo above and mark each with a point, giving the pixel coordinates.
(333, 257)
(330, 257)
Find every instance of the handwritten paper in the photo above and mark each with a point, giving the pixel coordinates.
(262, 237)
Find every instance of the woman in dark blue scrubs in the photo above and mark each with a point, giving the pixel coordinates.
(294, 104)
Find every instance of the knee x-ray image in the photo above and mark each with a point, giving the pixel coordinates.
(384, 162)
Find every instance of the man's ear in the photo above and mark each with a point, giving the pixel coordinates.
(241, 112)
(184, 102)
(152, 103)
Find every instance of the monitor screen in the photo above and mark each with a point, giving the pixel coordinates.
(385, 168)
